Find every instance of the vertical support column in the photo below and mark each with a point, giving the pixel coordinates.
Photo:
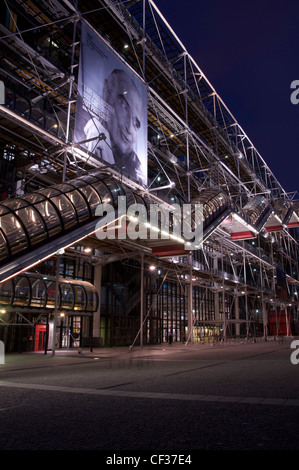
(237, 315)
(187, 127)
(143, 42)
(97, 315)
(246, 298)
(190, 303)
(71, 80)
(287, 317)
(141, 298)
(265, 318)
(223, 295)
(56, 303)
(216, 295)
(216, 307)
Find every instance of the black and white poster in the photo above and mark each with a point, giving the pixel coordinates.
(111, 102)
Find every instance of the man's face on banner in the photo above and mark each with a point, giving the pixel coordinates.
(125, 122)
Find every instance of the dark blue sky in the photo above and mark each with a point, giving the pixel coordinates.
(249, 51)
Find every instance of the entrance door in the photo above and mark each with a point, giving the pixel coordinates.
(40, 336)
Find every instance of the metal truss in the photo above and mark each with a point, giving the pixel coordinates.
(194, 141)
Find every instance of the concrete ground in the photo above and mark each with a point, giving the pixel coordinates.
(164, 398)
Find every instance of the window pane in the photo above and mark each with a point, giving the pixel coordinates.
(79, 298)
(92, 299)
(6, 292)
(92, 197)
(14, 232)
(67, 296)
(38, 293)
(79, 202)
(49, 215)
(51, 289)
(22, 292)
(66, 210)
(3, 245)
(103, 191)
(33, 224)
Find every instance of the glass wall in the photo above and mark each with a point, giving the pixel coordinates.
(34, 290)
(168, 314)
(29, 220)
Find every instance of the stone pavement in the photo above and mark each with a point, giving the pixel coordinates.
(164, 350)
(222, 396)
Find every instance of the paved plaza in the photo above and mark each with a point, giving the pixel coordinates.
(178, 398)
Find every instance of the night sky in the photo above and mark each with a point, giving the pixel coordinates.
(249, 52)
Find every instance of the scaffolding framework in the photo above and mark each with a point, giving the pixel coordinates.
(197, 153)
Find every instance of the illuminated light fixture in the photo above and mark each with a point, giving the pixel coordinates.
(152, 268)
(2, 311)
(126, 46)
(87, 250)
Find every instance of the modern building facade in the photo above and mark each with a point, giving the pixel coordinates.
(133, 205)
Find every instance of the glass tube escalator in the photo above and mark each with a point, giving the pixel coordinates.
(284, 210)
(257, 210)
(31, 220)
(35, 291)
(216, 204)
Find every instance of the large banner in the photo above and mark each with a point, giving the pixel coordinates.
(112, 101)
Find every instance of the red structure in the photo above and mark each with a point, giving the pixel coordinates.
(280, 323)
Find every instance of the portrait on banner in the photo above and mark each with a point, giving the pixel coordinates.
(111, 109)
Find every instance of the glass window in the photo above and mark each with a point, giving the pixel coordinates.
(49, 192)
(49, 215)
(66, 210)
(6, 292)
(69, 268)
(80, 298)
(15, 204)
(33, 224)
(38, 293)
(67, 296)
(103, 191)
(91, 299)
(14, 232)
(92, 197)
(33, 198)
(22, 291)
(79, 202)
(3, 209)
(51, 290)
(3, 245)
(115, 190)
